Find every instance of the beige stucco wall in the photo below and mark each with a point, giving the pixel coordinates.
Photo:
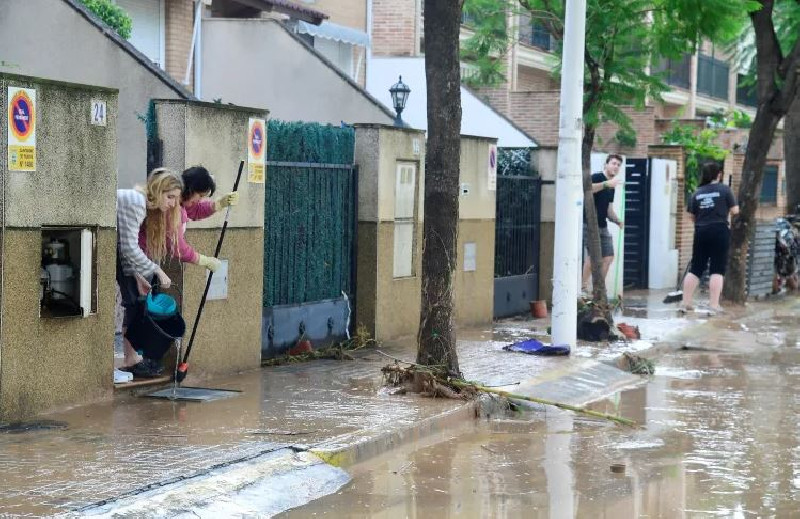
(474, 290)
(45, 362)
(256, 62)
(229, 335)
(387, 306)
(58, 42)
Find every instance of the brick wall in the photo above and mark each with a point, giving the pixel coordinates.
(530, 79)
(179, 27)
(393, 27)
(497, 97)
(536, 113)
(644, 125)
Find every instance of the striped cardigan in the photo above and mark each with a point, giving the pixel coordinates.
(131, 211)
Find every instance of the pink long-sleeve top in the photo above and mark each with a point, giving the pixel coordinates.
(201, 209)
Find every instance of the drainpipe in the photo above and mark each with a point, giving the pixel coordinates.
(569, 180)
(693, 64)
(195, 32)
(368, 50)
(198, 60)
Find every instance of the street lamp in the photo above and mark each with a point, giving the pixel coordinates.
(399, 92)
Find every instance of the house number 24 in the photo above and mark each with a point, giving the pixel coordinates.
(98, 115)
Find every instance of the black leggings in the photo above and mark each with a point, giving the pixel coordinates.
(711, 243)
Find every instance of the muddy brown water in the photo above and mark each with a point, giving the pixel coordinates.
(720, 437)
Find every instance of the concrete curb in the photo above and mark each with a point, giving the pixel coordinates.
(352, 448)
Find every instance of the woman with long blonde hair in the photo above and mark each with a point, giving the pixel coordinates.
(155, 208)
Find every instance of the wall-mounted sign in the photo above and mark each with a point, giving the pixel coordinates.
(470, 257)
(219, 283)
(97, 116)
(492, 178)
(21, 129)
(256, 150)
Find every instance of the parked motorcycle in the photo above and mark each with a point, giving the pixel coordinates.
(787, 253)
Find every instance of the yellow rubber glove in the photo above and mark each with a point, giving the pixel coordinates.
(224, 201)
(208, 262)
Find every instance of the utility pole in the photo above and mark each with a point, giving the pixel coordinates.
(569, 183)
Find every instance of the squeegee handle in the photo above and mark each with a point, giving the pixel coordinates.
(211, 274)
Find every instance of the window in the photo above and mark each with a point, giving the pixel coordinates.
(534, 33)
(712, 77)
(676, 72)
(769, 185)
(404, 204)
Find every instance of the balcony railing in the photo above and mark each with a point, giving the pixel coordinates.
(712, 77)
(676, 72)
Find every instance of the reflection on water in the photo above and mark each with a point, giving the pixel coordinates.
(720, 439)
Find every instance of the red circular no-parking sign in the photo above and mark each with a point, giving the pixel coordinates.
(257, 139)
(21, 119)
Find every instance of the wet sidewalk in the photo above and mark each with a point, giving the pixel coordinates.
(112, 455)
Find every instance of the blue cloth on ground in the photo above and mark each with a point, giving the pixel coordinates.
(534, 347)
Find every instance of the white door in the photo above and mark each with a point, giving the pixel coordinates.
(663, 259)
(148, 33)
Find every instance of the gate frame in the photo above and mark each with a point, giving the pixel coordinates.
(278, 321)
(504, 286)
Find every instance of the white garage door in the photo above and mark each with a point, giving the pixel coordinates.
(148, 27)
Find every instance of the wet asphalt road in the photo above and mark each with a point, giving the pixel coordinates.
(720, 437)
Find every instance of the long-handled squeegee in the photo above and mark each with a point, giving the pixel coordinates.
(183, 367)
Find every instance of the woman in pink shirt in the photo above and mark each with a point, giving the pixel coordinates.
(196, 204)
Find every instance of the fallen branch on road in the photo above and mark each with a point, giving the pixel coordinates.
(428, 381)
(576, 409)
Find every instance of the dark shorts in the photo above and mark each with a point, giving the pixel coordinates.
(711, 244)
(606, 244)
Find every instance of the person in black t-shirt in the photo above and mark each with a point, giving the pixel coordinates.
(603, 186)
(710, 207)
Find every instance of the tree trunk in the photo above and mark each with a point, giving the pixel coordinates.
(437, 338)
(593, 229)
(776, 89)
(742, 227)
(791, 146)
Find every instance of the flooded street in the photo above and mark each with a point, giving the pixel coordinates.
(720, 437)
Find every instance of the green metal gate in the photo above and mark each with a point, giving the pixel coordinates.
(309, 234)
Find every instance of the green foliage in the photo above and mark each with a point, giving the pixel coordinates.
(487, 47)
(786, 18)
(626, 138)
(730, 119)
(112, 15)
(623, 39)
(699, 145)
(515, 162)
